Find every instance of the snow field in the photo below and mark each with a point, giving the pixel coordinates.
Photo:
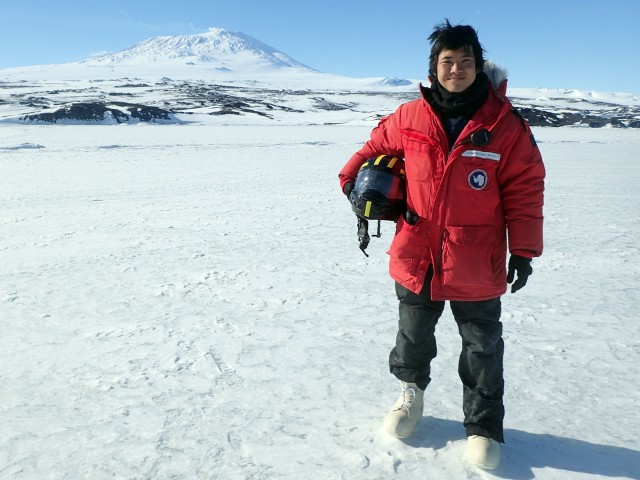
(190, 302)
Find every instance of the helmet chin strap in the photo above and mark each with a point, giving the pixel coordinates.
(363, 234)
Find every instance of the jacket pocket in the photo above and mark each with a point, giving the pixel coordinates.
(416, 142)
(467, 255)
(416, 135)
(421, 159)
(409, 246)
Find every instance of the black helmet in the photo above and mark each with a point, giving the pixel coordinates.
(380, 189)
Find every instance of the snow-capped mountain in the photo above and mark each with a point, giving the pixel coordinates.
(226, 50)
(230, 77)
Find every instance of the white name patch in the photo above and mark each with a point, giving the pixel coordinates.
(481, 154)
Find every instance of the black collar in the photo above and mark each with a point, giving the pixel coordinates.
(460, 104)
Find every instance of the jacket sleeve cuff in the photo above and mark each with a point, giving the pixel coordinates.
(344, 179)
(525, 253)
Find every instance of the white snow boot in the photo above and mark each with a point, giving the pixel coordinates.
(483, 452)
(402, 419)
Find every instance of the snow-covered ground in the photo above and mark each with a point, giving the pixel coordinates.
(190, 302)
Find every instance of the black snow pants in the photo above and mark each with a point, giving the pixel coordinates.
(480, 365)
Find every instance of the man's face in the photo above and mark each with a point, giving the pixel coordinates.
(456, 69)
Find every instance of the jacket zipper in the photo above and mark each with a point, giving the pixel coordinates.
(456, 145)
(438, 263)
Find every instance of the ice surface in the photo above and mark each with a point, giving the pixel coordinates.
(190, 302)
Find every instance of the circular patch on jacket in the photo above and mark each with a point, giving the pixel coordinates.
(478, 179)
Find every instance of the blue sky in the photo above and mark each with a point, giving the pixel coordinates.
(582, 44)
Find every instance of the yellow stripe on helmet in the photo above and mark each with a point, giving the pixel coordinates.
(367, 209)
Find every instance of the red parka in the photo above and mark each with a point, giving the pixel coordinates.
(467, 197)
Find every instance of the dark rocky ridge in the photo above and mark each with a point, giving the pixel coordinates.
(173, 101)
(98, 112)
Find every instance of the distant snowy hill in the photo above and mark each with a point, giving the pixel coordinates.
(227, 51)
(228, 77)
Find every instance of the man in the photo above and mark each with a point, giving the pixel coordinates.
(474, 174)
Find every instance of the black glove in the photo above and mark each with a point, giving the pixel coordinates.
(521, 265)
(347, 189)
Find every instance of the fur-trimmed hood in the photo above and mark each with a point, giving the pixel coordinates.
(497, 76)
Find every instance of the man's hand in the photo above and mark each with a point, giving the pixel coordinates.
(522, 266)
(347, 189)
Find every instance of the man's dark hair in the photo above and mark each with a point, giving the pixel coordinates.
(454, 37)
